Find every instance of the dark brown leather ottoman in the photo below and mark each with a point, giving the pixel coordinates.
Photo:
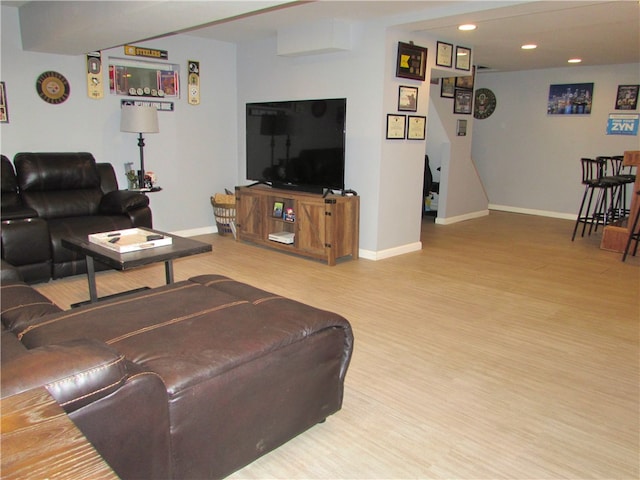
(245, 370)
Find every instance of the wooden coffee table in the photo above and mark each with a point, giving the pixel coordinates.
(180, 247)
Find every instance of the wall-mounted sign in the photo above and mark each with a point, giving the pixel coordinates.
(484, 104)
(53, 87)
(145, 52)
(622, 124)
(160, 106)
(95, 88)
(194, 82)
(143, 78)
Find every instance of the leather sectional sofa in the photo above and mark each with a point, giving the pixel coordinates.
(191, 380)
(51, 195)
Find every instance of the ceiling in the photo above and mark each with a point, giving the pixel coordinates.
(599, 32)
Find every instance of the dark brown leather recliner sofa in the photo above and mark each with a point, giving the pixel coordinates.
(50, 195)
(192, 380)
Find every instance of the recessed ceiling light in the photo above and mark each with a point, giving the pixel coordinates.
(529, 46)
(574, 60)
(467, 27)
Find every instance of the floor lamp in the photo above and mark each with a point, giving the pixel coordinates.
(139, 119)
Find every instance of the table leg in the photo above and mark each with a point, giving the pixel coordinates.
(168, 270)
(91, 277)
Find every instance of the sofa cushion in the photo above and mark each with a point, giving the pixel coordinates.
(198, 328)
(46, 171)
(59, 184)
(12, 207)
(68, 262)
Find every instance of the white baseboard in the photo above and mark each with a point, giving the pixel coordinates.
(196, 231)
(390, 252)
(530, 211)
(461, 218)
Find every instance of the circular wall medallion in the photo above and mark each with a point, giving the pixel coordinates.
(52, 87)
(484, 104)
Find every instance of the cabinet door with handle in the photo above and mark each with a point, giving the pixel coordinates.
(250, 216)
(310, 229)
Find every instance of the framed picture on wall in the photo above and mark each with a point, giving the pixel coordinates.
(627, 98)
(467, 80)
(463, 101)
(4, 108)
(444, 55)
(396, 125)
(407, 99)
(448, 87)
(570, 99)
(463, 58)
(461, 128)
(411, 62)
(416, 127)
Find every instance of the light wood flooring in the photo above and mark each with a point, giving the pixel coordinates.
(501, 350)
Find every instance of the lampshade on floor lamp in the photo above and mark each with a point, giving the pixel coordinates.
(139, 119)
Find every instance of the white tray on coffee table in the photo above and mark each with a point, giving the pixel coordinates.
(129, 240)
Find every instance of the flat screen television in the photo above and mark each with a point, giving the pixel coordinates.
(297, 144)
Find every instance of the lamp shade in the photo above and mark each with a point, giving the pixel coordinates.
(139, 119)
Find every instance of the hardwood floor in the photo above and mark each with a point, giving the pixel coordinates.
(500, 350)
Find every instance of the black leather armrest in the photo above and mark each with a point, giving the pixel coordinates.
(17, 212)
(122, 201)
(22, 305)
(76, 373)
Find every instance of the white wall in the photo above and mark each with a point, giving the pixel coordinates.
(194, 155)
(462, 195)
(530, 161)
(265, 76)
(383, 172)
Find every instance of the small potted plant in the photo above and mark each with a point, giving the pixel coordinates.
(132, 178)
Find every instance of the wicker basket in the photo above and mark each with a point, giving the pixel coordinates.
(224, 211)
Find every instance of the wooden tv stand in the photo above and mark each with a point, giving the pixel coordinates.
(325, 227)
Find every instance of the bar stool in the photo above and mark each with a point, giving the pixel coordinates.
(615, 170)
(592, 179)
(634, 232)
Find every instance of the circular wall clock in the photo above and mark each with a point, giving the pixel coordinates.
(52, 87)
(484, 104)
